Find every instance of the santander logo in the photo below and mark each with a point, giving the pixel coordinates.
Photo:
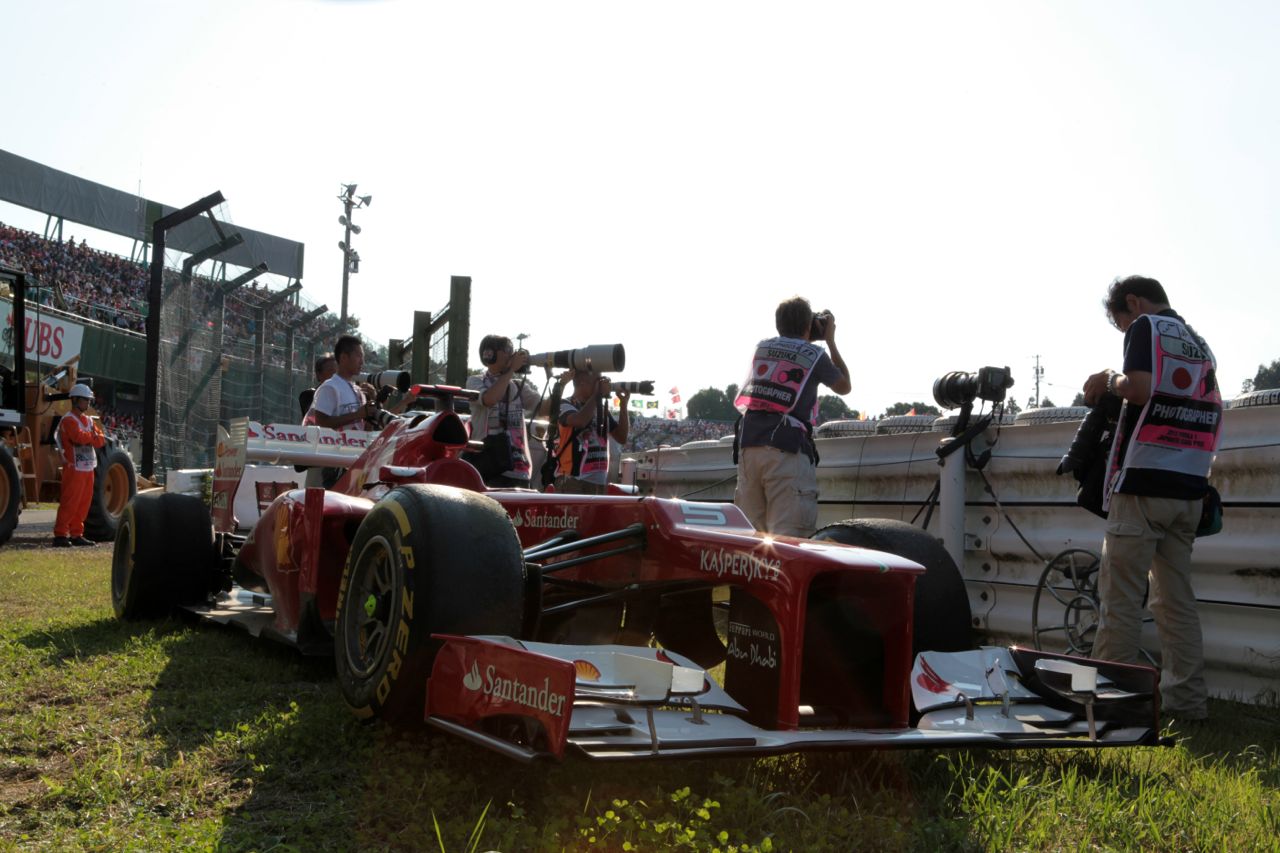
(539, 697)
(472, 680)
(551, 519)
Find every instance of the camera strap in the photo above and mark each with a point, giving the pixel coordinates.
(962, 440)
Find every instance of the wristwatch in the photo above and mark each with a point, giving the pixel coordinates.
(1112, 378)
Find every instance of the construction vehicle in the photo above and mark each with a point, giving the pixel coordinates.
(30, 460)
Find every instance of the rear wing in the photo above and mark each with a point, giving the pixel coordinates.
(245, 441)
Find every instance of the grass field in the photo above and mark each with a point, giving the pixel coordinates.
(168, 736)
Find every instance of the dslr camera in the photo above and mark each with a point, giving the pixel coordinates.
(958, 388)
(818, 325)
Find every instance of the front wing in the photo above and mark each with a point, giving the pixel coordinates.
(536, 700)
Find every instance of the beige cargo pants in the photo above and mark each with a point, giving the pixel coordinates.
(778, 491)
(1148, 536)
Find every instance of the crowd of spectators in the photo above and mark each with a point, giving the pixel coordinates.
(110, 289)
(649, 433)
(122, 426)
(77, 279)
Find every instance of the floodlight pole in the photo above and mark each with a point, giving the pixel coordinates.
(155, 299)
(350, 257)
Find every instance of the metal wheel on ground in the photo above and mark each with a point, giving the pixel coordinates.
(1064, 611)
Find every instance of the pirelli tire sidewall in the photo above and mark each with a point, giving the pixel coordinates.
(942, 618)
(426, 559)
(163, 557)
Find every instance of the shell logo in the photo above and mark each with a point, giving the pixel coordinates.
(586, 670)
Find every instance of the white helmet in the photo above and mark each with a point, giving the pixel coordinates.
(81, 390)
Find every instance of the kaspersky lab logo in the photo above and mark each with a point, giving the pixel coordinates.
(539, 698)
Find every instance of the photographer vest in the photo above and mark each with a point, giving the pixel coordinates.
(588, 447)
(780, 370)
(506, 416)
(1177, 430)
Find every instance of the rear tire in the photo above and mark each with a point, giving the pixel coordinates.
(941, 618)
(10, 495)
(426, 559)
(115, 482)
(163, 557)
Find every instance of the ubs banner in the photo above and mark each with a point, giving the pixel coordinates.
(49, 339)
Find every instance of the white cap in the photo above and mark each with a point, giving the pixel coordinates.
(81, 390)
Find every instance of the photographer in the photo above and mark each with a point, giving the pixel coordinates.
(585, 428)
(777, 480)
(325, 366)
(498, 417)
(340, 403)
(1157, 478)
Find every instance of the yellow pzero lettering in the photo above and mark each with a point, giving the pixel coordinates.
(402, 520)
(393, 668)
(402, 636)
(406, 554)
(384, 687)
(408, 604)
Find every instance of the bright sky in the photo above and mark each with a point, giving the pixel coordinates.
(957, 182)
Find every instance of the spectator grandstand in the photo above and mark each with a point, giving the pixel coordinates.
(649, 433)
(112, 290)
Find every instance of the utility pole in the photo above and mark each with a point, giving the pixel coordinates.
(1039, 374)
(350, 257)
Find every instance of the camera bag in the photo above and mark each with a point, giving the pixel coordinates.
(495, 459)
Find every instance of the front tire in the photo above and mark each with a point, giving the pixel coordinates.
(941, 618)
(426, 559)
(163, 557)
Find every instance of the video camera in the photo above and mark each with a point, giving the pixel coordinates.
(957, 389)
(602, 358)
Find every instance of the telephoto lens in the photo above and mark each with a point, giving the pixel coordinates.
(397, 379)
(643, 387)
(602, 358)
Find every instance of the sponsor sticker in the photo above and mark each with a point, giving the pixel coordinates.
(561, 519)
(511, 689)
(738, 564)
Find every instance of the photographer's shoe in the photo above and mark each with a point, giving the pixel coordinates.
(81, 542)
(61, 542)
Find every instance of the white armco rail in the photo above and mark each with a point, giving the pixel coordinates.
(1236, 573)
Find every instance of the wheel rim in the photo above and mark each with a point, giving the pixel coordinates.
(1068, 594)
(373, 601)
(115, 490)
(122, 560)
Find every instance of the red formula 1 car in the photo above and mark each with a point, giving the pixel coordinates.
(532, 622)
